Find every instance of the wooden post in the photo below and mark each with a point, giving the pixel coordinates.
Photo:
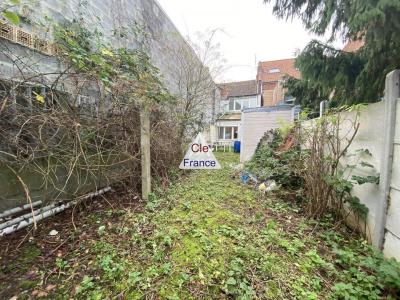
(145, 151)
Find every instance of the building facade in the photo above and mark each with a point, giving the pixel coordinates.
(234, 97)
(237, 97)
(271, 74)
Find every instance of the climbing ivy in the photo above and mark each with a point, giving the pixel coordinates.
(7, 11)
(121, 70)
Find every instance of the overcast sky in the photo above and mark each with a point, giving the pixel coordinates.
(252, 33)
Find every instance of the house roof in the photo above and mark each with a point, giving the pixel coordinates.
(275, 70)
(353, 46)
(238, 89)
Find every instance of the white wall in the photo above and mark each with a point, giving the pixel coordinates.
(255, 123)
(371, 136)
(392, 235)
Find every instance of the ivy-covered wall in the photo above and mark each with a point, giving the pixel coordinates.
(117, 20)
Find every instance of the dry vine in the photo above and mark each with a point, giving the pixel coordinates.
(327, 188)
(77, 130)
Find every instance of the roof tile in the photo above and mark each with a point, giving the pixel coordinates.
(238, 89)
(285, 67)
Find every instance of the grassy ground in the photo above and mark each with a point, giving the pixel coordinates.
(206, 237)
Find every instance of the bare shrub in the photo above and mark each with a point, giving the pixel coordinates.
(327, 187)
(77, 128)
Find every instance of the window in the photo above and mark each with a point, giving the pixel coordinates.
(23, 96)
(227, 133)
(231, 105)
(253, 102)
(28, 97)
(274, 70)
(238, 104)
(288, 98)
(221, 133)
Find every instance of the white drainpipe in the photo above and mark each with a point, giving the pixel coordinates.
(42, 213)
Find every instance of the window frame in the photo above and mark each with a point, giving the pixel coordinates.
(233, 133)
(240, 103)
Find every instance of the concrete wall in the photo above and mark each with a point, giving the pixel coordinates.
(109, 17)
(374, 136)
(391, 240)
(373, 125)
(379, 133)
(255, 122)
(369, 137)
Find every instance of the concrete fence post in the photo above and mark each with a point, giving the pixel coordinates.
(322, 107)
(392, 93)
(145, 151)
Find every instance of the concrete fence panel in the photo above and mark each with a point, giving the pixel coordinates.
(391, 229)
(377, 143)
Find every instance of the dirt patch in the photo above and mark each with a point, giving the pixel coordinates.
(28, 257)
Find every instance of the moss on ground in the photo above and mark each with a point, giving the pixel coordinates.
(208, 237)
(24, 260)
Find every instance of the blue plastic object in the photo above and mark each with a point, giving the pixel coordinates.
(244, 178)
(236, 147)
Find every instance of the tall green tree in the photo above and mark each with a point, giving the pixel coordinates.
(346, 77)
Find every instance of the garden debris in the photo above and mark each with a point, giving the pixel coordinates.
(237, 220)
(39, 294)
(267, 186)
(53, 232)
(51, 287)
(246, 178)
(288, 143)
(237, 167)
(42, 251)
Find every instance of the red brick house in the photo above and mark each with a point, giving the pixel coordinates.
(271, 74)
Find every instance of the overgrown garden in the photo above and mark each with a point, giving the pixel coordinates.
(72, 120)
(206, 237)
(199, 235)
